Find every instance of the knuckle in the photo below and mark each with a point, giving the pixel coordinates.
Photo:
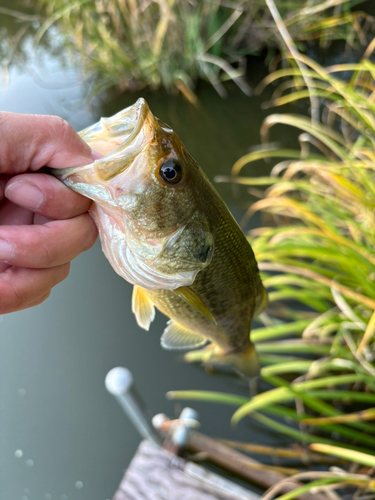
(64, 271)
(40, 244)
(11, 299)
(91, 234)
(45, 297)
(61, 127)
(46, 253)
(41, 299)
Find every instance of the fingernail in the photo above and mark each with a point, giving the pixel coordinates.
(6, 250)
(25, 194)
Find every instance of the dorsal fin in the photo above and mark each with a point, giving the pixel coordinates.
(176, 336)
(142, 307)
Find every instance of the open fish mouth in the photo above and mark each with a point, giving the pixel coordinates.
(118, 138)
(119, 131)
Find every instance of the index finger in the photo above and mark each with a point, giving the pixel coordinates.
(45, 195)
(29, 142)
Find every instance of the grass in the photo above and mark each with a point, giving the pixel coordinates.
(134, 44)
(316, 255)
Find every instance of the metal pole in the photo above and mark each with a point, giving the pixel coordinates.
(119, 382)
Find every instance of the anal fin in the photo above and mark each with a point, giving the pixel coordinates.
(142, 307)
(176, 336)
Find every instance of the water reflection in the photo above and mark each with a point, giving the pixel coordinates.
(18, 25)
(54, 358)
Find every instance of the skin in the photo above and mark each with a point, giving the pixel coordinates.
(45, 224)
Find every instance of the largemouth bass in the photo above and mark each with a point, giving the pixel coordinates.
(164, 228)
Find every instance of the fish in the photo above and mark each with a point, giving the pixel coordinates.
(165, 229)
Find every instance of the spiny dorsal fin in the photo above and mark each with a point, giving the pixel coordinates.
(142, 307)
(176, 336)
(186, 293)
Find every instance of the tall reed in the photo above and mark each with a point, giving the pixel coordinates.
(317, 259)
(173, 43)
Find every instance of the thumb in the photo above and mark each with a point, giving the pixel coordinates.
(30, 142)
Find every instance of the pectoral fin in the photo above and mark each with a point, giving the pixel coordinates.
(176, 336)
(188, 294)
(142, 307)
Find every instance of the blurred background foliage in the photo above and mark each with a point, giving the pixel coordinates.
(133, 44)
(316, 255)
(316, 249)
(173, 43)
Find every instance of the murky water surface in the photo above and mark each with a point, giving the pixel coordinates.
(62, 436)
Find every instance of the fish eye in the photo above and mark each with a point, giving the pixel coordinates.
(171, 172)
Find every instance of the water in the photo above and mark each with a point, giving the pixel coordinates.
(62, 436)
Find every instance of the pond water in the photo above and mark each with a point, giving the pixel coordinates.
(62, 436)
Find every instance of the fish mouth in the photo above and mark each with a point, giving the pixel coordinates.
(137, 117)
(118, 138)
(122, 129)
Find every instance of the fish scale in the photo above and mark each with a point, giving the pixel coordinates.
(172, 237)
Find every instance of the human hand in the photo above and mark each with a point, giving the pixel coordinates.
(43, 224)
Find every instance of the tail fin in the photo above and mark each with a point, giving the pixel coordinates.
(246, 363)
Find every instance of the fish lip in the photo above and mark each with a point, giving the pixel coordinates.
(141, 112)
(139, 121)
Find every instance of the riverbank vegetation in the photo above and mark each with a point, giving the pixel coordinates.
(316, 255)
(316, 249)
(174, 43)
(316, 252)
